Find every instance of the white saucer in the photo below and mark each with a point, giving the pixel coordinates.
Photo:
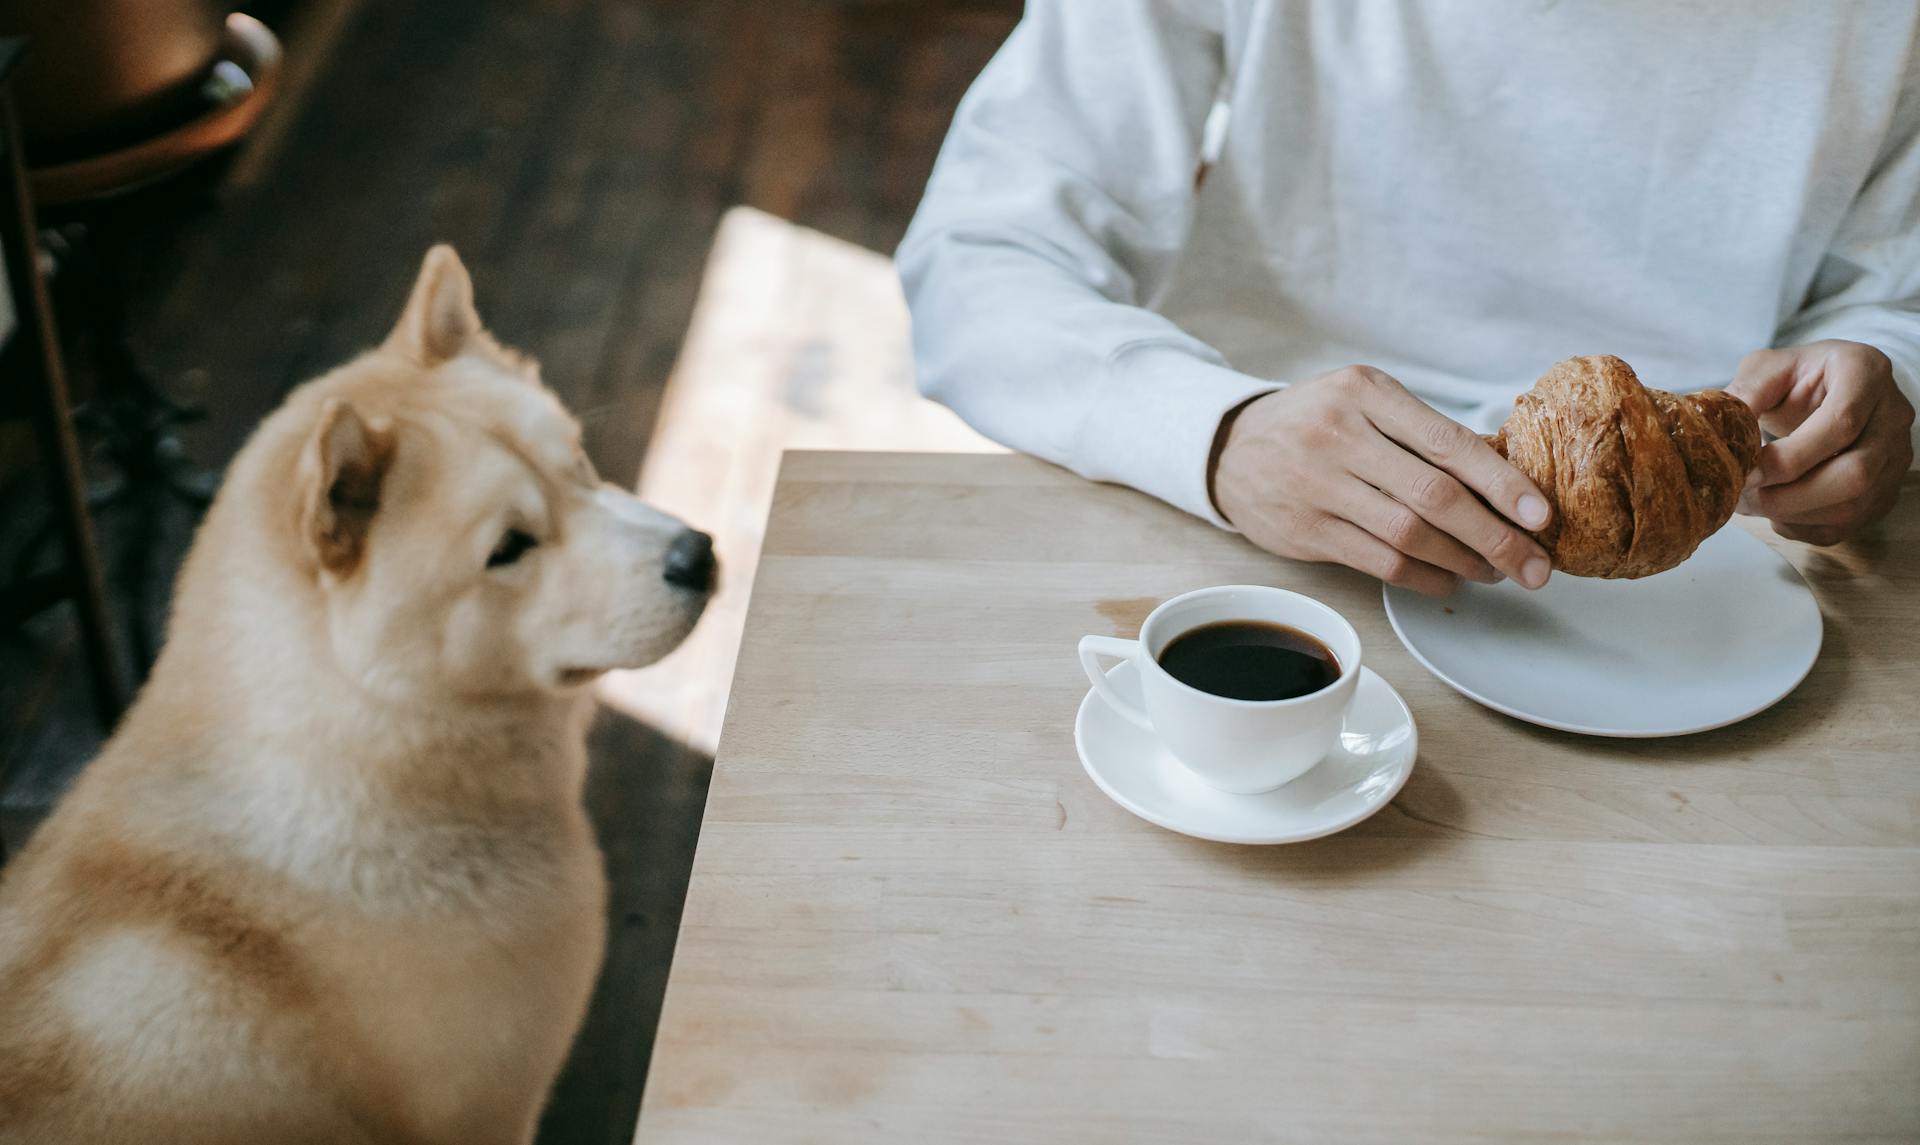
(1366, 770)
(1721, 637)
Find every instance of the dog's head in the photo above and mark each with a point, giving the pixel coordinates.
(458, 536)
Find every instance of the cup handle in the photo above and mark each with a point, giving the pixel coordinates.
(1092, 648)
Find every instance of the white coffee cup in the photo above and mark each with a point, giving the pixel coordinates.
(1242, 746)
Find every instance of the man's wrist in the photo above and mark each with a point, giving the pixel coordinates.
(1220, 438)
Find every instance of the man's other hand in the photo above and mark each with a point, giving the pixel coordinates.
(1843, 443)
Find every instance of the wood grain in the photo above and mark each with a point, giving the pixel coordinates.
(912, 917)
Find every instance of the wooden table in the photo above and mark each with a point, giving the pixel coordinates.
(914, 919)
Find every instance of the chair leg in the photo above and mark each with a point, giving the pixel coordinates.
(41, 345)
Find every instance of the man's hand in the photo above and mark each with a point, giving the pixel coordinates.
(1351, 468)
(1843, 443)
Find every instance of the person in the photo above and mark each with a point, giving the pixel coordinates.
(1274, 261)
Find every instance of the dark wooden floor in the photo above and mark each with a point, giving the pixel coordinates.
(580, 154)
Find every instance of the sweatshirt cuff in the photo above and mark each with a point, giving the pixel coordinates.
(1153, 423)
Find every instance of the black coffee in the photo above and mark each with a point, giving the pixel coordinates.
(1250, 660)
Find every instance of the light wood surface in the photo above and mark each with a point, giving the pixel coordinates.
(799, 341)
(914, 919)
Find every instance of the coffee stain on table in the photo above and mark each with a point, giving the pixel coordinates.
(836, 1085)
(1126, 613)
(702, 1091)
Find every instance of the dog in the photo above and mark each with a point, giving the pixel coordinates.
(331, 879)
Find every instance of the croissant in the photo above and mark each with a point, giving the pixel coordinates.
(1637, 478)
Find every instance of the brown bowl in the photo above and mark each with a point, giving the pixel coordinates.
(247, 44)
(107, 71)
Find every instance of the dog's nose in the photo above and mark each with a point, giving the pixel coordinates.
(689, 562)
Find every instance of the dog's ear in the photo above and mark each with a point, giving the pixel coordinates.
(439, 320)
(341, 472)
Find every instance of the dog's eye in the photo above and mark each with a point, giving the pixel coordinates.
(513, 545)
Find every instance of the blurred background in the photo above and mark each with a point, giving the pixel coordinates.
(683, 208)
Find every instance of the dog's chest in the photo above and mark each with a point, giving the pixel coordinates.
(466, 1019)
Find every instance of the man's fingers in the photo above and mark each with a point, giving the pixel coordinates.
(1842, 416)
(1453, 447)
(1836, 481)
(1844, 389)
(1822, 535)
(1765, 378)
(1868, 504)
(1848, 517)
(1448, 505)
(1356, 548)
(1406, 530)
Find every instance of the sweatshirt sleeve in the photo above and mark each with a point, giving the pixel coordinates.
(1059, 204)
(1868, 286)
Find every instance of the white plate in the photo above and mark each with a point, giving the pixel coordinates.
(1721, 637)
(1363, 774)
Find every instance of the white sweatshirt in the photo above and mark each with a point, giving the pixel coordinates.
(1459, 192)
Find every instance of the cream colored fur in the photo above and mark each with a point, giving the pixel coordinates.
(331, 881)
